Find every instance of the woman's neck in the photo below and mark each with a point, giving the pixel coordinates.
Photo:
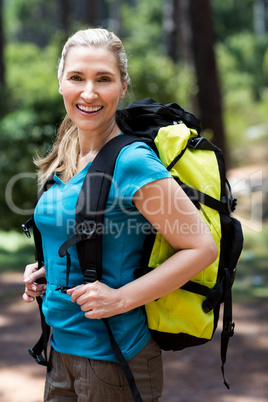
(91, 144)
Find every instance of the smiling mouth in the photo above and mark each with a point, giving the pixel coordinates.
(89, 109)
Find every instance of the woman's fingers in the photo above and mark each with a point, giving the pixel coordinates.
(27, 299)
(32, 278)
(31, 293)
(33, 274)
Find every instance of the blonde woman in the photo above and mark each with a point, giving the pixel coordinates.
(93, 78)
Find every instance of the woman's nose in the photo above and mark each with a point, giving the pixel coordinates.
(89, 91)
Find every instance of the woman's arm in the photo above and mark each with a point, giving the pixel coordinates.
(170, 211)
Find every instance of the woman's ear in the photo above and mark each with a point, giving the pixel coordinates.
(124, 89)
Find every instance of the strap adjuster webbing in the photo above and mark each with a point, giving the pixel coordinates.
(86, 231)
(38, 358)
(228, 329)
(90, 275)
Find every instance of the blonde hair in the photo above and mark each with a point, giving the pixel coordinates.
(63, 157)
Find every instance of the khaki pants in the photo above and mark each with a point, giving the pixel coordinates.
(78, 379)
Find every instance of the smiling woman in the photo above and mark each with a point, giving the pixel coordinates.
(92, 79)
(91, 87)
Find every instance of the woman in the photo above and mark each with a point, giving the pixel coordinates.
(93, 78)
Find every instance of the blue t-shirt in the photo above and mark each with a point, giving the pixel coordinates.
(123, 237)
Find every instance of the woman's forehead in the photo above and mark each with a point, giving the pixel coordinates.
(90, 55)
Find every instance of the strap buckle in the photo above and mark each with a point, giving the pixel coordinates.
(38, 358)
(26, 230)
(63, 289)
(88, 229)
(27, 225)
(228, 329)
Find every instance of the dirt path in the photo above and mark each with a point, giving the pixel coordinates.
(192, 375)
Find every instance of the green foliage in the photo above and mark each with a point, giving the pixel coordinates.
(30, 21)
(159, 78)
(252, 278)
(243, 59)
(34, 109)
(141, 25)
(16, 251)
(231, 16)
(152, 74)
(31, 73)
(244, 81)
(31, 108)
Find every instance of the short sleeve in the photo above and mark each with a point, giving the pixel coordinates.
(136, 165)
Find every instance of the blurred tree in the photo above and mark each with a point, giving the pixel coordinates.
(249, 55)
(29, 126)
(3, 88)
(166, 44)
(171, 28)
(35, 20)
(188, 36)
(94, 12)
(114, 17)
(64, 16)
(208, 95)
(231, 17)
(141, 27)
(185, 33)
(259, 17)
(153, 74)
(2, 64)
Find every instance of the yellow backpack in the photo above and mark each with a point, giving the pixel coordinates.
(189, 316)
(181, 318)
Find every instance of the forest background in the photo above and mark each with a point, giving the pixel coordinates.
(211, 57)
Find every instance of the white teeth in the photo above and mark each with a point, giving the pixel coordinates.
(89, 109)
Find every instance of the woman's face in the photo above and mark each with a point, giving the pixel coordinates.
(91, 87)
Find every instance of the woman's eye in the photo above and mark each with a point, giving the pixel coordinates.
(75, 78)
(104, 79)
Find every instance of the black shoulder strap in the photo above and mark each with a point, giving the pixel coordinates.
(30, 223)
(41, 345)
(90, 210)
(91, 205)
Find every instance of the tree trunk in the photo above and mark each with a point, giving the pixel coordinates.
(185, 33)
(64, 17)
(114, 17)
(2, 63)
(90, 12)
(94, 12)
(209, 96)
(259, 17)
(170, 28)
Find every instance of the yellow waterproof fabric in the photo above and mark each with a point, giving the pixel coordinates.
(181, 311)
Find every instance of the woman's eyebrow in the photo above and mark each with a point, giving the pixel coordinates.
(105, 73)
(75, 72)
(98, 73)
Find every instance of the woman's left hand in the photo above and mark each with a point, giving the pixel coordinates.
(97, 300)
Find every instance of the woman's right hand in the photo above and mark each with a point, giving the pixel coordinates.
(31, 277)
